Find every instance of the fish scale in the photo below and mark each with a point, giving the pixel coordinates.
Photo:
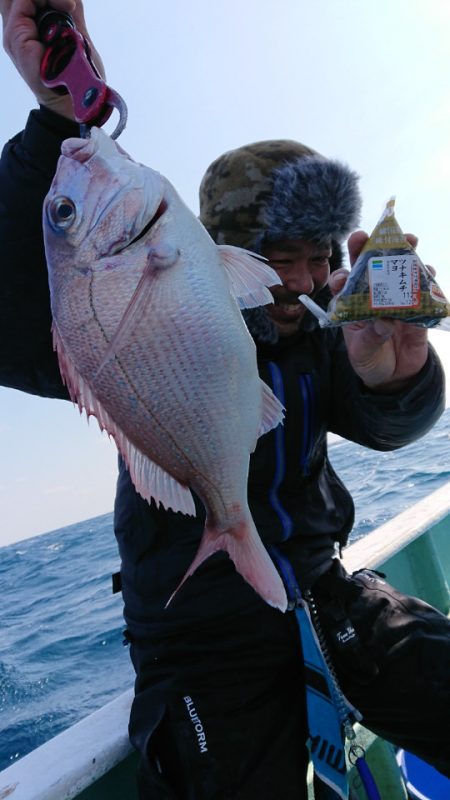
(151, 341)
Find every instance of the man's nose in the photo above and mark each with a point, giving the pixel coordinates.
(299, 279)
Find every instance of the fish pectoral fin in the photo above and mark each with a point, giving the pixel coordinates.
(272, 410)
(250, 558)
(249, 276)
(131, 316)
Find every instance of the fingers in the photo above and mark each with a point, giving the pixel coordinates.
(20, 38)
(355, 244)
(5, 6)
(28, 8)
(337, 279)
(413, 240)
(21, 42)
(58, 5)
(384, 328)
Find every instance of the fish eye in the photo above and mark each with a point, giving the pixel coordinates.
(62, 212)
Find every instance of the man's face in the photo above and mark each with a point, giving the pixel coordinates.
(304, 269)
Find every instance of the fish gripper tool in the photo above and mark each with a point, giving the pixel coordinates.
(67, 67)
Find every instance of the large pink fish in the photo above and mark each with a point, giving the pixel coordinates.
(151, 341)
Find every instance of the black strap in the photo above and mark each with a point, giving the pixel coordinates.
(116, 582)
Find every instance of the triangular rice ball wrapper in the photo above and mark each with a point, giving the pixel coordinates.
(389, 280)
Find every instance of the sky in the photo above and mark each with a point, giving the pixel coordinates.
(364, 81)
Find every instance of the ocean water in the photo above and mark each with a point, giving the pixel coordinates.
(62, 653)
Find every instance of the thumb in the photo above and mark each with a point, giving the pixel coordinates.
(355, 244)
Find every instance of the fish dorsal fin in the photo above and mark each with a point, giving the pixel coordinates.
(249, 276)
(150, 480)
(272, 410)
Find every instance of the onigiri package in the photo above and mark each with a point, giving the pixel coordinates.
(388, 279)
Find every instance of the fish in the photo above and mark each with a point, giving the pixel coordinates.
(151, 341)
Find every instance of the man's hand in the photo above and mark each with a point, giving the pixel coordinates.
(385, 353)
(20, 40)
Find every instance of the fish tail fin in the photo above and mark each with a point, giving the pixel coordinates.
(244, 547)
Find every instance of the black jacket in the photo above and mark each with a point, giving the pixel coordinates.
(297, 500)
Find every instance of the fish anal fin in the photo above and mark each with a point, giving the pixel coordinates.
(250, 558)
(249, 276)
(153, 482)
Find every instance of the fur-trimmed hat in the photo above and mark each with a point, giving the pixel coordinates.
(275, 190)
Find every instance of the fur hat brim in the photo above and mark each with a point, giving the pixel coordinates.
(312, 198)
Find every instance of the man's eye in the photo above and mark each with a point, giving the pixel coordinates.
(321, 260)
(280, 262)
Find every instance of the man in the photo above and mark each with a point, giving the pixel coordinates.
(219, 710)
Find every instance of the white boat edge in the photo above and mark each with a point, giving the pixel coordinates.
(78, 757)
(393, 536)
(65, 765)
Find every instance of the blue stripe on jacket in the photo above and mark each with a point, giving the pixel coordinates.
(280, 457)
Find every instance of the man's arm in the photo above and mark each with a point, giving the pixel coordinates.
(385, 420)
(388, 382)
(385, 353)
(27, 166)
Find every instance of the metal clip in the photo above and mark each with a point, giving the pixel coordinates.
(67, 66)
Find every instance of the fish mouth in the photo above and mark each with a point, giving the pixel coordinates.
(156, 216)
